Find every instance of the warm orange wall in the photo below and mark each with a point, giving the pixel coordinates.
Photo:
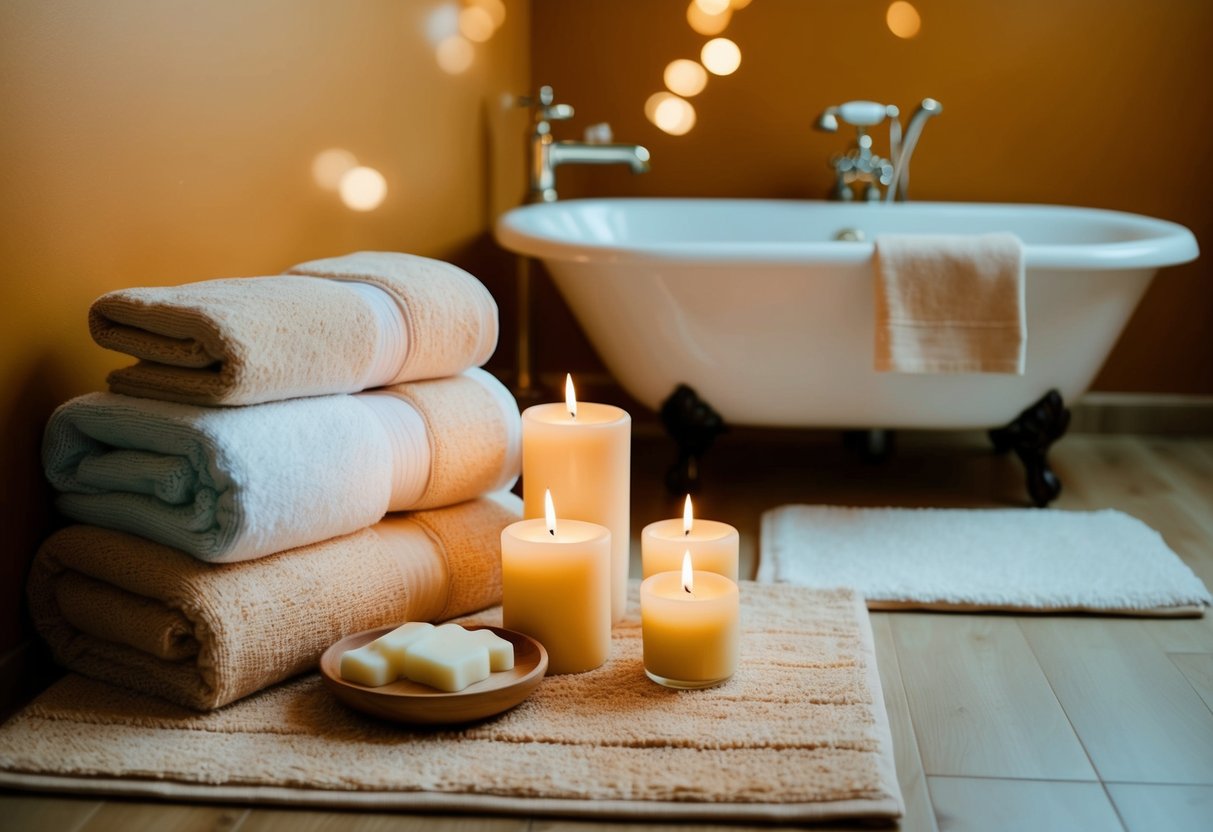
(160, 141)
(1082, 102)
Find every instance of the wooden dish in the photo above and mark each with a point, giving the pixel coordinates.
(407, 701)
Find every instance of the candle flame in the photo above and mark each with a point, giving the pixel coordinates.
(688, 575)
(688, 520)
(570, 397)
(549, 511)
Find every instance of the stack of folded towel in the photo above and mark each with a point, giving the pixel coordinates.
(242, 486)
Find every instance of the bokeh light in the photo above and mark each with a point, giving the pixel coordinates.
(363, 188)
(330, 165)
(686, 78)
(670, 113)
(441, 23)
(476, 24)
(708, 24)
(903, 19)
(721, 56)
(712, 6)
(455, 54)
(494, 8)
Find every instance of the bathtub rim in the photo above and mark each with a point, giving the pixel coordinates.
(1163, 243)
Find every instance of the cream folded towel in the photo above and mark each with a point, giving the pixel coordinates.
(230, 484)
(950, 303)
(153, 619)
(374, 319)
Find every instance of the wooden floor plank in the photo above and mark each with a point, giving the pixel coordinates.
(570, 825)
(298, 820)
(920, 815)
(135, 816)
(1197, 668)
(36, 812)
(981, 705)
(1138, 717)
(1191, 474)
(964, 804)
(1145, 808)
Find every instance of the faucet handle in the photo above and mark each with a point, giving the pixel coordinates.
(545, 110)
(861, 114)
(865, 113)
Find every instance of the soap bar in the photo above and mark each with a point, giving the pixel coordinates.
(449, 659)
(501, 652)
(393, 645)
(446, 657)
(367, 666)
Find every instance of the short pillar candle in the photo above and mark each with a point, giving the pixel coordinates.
(582, 452)
(556, 588)
(690, 623)
(714, 546)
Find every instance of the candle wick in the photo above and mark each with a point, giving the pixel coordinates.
(552, 532)
(686, 532)
(687, 589)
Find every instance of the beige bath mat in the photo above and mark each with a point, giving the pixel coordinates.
(800, 733)
(1020, 560)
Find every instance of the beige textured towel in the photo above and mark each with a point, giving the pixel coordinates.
(800, 733)
(377, 318)
(139, 614)
(950, 303)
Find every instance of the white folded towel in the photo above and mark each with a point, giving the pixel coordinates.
(329, 326)
(231, 484)
(950, 303)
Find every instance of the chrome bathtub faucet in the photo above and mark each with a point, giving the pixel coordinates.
(858, 166)
(547, 154)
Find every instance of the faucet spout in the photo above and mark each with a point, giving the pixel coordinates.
(901, 176)
(547, 154)
(580, 153)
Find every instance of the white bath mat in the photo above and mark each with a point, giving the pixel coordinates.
(1022, 560)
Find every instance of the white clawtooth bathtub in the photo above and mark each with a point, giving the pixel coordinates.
(758, 307)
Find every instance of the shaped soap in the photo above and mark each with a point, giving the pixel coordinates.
(501, 652)
(395, 644)
(446, 657)
(449, 659)
(367, 666)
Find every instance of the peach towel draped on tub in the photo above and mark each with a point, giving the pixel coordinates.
(153, 619)
(950, 303)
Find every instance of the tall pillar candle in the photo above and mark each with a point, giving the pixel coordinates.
(582, 452)
(714, 546)
(556, 588)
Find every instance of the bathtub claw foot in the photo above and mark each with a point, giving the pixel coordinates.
(694, 425)
(1030, 436)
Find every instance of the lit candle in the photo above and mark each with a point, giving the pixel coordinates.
(690, 622)
(556, 588)
(713, 545)
(582, 452)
